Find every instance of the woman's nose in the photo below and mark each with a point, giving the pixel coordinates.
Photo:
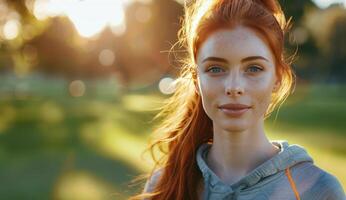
(234, 85)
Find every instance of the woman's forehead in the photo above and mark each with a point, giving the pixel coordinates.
(235, 44)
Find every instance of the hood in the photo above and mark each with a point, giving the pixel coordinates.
(288, 156)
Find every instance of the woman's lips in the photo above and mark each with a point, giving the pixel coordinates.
(234, 112)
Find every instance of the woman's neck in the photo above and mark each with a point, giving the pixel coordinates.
(234, 154)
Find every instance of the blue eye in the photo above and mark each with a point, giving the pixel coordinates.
(254, 69)
(214, 69)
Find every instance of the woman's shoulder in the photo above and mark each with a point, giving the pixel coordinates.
(331, 187)
(316, 183)
(152, 180)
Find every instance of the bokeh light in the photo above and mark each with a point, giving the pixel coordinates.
(11, 29)
(106, 57)
(77, 88)
(166, 85)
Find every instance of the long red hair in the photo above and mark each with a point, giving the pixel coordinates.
(184, 124)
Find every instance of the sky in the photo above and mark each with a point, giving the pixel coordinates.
(326, 3)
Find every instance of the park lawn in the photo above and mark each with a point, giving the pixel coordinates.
(63, 146)
(49, 143)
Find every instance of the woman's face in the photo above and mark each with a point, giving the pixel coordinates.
(235, 66)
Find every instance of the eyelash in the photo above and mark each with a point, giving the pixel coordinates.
(256, 67)
(212, 68)
(251, 66)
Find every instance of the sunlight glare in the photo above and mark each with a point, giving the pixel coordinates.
(49, 8)
(88, 16)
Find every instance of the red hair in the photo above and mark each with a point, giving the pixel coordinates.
(185, 125)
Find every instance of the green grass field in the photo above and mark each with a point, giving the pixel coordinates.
(59, 147)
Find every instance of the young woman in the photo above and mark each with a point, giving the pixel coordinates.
(214, 145)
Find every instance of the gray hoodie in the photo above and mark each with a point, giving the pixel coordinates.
(270, 180)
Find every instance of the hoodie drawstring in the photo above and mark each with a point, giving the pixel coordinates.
(293, 185)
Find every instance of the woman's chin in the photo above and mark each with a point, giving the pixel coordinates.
(234, 127)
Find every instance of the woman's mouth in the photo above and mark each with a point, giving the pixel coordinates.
(234, 110)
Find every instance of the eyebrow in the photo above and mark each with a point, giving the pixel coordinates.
(217, 59)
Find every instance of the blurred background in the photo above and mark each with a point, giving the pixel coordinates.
(80, 81)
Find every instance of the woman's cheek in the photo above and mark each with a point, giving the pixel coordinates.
(263, 98)
(264, 102)
(209, 95)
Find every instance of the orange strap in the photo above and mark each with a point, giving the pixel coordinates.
(293, 185)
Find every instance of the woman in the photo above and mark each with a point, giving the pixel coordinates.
(214, 145)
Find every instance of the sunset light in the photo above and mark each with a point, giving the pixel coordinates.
(88, 16)
(86, 86)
